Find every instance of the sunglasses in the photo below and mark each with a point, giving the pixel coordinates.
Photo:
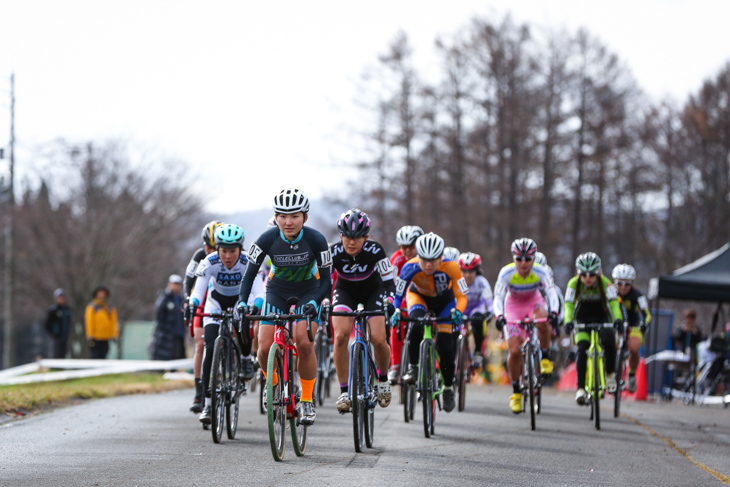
(587, 274)
(623, 283)
(524, 259)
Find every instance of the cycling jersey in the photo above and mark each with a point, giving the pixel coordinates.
(189, 282)
(523, 288)
(447, 278)
(398, 260)
(298, 268)
(479, 297)
(636, 306)
(590, 305)
(359, 272)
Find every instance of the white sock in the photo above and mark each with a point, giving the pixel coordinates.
(207, 401)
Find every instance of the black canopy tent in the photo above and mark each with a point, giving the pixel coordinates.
(706, 279)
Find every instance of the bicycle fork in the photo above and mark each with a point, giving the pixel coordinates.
(595, 356)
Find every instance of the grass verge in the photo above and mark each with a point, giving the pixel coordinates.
(19, 400)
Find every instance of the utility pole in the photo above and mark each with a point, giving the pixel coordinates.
(8, 332)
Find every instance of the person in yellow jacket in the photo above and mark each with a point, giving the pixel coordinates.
(101, 323)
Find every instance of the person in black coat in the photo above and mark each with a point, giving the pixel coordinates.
(58, 323)
(168, 340)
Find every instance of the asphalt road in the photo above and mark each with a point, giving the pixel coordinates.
(152, 440)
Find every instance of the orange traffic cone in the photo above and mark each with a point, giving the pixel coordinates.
(641, 385)
(569, 379)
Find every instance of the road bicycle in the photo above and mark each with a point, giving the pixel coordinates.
(622, 355)
(226, 384)
(531, 380)
(464, 370)
(430, 384)
(595, 373)
(325, 364)
(283, 398)
(363, 378)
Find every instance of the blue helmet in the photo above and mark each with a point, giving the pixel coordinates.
(229, 236)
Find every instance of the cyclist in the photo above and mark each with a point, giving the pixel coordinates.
(637, 313)
(197, 323)
(542, 260)
(518, 294)
(433, 284)
(451, 253)
(406, 240)
(479, 300)
(365, 276)
(300, 266)
(220, 273)
(591, 297)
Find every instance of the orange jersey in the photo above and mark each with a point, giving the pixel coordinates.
(448, 274)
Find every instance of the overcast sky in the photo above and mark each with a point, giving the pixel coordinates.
(261, 95)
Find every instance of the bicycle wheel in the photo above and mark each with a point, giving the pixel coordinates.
(426, 386)
(596, 394)
(262, 387)
(234, 390)
(358, 395)
(619, 383)
(276, 403)
(218, 380)
(530, 356)
(299, 430)
(321, 364)
(407, 391)
(370, 402)
(463, 365)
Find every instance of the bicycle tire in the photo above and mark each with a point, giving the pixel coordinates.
(358, 395)
(371, 400)
(218, 379)
(275, 407)
(530, 356)
(426, 387)
(299, 430)
(407, 391)
(619, 382)
(235, 387)
(463, 370)
(321, 363)
(596, 395)
(262, 388)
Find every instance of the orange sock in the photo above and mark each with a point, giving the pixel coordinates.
(307, 389)
(276, 377)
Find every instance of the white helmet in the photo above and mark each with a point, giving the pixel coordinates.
(451, 253)
(408, 234)
(429, 246)
(540, 258)
(291, 201)
(624, 272)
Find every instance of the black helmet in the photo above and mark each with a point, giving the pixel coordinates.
(209, 232)
(354, 223)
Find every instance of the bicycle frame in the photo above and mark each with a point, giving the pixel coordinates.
(530, 379)
(594, 368)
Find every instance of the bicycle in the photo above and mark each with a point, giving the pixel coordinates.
(531, 380)
(407, 390)
(464, 361)
(430, 382)
(621, 358)
(282, 399)
(363, 378)
(325, 365)
(226, 383)
(595, 373)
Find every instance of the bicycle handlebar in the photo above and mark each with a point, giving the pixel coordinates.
(432, 319)
(527, 322)
(281, 318)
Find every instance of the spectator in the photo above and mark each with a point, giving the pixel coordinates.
(58, 323)
(168, 340)
(689, 336)
(101, 323)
